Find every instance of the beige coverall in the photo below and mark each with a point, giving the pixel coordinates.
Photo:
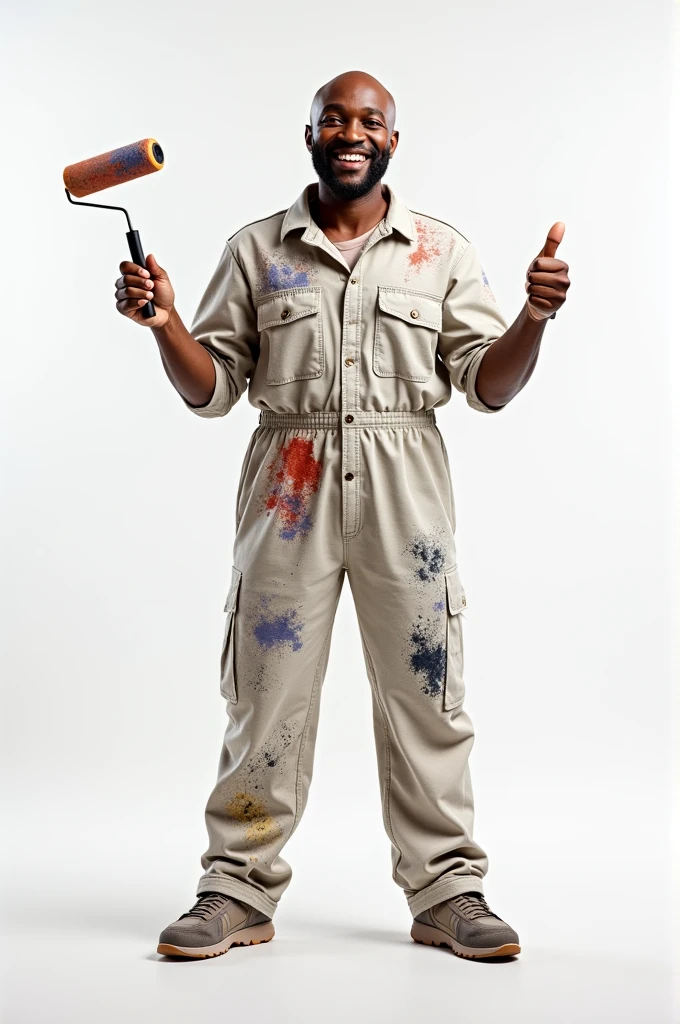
(345, 472)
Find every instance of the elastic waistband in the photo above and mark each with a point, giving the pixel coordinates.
(356, 418)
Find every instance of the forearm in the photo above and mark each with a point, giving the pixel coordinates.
(509, 362)
(187, 363)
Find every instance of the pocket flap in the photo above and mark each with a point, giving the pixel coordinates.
(230, 604)
(284, 307)
(412, 307)
(455, 595)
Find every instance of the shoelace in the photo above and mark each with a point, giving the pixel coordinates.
(473, 905)
(206, 904)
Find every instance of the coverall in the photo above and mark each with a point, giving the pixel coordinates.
(346, 472)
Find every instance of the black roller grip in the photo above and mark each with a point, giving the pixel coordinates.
(137, 253)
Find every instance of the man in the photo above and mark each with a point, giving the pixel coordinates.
(348, 318)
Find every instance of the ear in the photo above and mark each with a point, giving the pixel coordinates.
(308, 137)
(394, 142)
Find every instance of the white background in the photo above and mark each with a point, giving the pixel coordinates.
(118, 512)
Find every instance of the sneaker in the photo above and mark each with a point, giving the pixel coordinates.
(468, 926)
(214, 924)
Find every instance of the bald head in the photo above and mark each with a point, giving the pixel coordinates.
(355, 89)
(351, 135)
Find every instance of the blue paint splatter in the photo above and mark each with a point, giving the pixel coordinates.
(280, 269)
(279, 630)
(487, 289)
(430, 556)
(428, 657)
(292, 508)
(280, 277)
(438, 606)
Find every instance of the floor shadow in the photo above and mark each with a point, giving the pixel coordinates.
(314, 929)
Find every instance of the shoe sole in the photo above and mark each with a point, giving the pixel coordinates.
(245, 937)
(428, 936)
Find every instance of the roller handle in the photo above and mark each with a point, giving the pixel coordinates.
(137, 253)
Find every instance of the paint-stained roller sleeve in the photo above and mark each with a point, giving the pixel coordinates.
(114, 167)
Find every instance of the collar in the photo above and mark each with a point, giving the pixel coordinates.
(298, 217)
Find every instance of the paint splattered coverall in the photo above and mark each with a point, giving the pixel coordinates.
(346, 472)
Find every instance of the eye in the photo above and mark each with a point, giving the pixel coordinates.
(374, 124)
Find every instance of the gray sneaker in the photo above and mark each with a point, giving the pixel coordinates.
(214, 924)
(468, 926)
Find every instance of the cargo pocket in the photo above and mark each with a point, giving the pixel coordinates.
(406, 333)
(228, 686)
(456, 602)
(291, 335)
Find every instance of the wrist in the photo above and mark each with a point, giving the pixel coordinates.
(171, 321)
(537, 319)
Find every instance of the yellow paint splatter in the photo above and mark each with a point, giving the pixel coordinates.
(249, 810)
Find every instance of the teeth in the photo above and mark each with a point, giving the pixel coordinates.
(353, 157)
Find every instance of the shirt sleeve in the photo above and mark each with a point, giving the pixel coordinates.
(471, 322)
(225, 324)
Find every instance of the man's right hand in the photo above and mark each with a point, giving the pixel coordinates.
(138, 285)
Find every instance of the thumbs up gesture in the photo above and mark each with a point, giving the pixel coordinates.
(547, 278)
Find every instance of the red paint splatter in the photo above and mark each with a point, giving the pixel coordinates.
(434, 244)
(294, 476)
(429, 245)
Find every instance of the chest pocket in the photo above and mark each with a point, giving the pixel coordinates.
(406, 333)
(291, 335)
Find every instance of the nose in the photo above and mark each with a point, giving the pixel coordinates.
(354, 131)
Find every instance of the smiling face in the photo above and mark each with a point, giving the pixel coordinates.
(351, 136)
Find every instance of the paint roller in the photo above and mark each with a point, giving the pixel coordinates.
(113, 168)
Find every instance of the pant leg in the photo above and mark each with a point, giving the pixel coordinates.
(409, 602)
(286, 581)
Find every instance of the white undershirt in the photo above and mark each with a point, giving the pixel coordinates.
(351, 249)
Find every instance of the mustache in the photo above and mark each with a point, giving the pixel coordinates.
(373, 151)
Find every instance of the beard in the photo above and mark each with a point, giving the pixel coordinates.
(321, 159)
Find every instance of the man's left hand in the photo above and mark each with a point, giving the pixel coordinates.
(547, 278)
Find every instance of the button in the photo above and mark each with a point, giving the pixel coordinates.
(349, 418)
(349, 362)
(415, 314)
(353, 280)
(286, 313)
(349, 476)
(464, 600)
